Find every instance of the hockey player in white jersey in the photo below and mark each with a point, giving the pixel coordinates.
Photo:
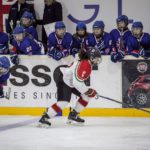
(70, 79)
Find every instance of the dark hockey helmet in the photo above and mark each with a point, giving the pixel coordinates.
(94, 55)
(4, 62)
(137, 24)
(99, 24)
(123, 18)
(81, 26)
(137, 29)
(59, 25)
(18, 30)
(28, 15)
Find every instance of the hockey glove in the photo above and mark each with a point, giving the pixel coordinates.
(52, 52)
(14, 59)
(120, 56)
(74, 51)
(91, 93)
(113, 57)
(58, 56)
(145, 53)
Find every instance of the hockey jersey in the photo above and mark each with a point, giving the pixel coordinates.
(76, 74)
(119, 39)
(60, 44)
(29, 46)
(79, 42)
(135, 45)
(4, 77)
(32, 31)
(103, 44)
(3, 43)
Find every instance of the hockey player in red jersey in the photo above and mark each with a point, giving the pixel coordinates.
(70, 80)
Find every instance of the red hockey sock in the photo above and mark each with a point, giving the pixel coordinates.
(81, 104)
(56, 108)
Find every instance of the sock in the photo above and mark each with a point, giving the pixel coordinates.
(56, 108)
(82, 103)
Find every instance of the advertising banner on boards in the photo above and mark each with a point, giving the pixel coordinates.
(136, 82)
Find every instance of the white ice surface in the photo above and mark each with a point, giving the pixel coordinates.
(96, 134)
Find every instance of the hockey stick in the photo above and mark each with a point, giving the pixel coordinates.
(123, 103)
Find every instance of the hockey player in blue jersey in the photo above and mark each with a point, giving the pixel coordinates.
(4, 43)
(24, 44)
(60, 42)
(119, 39)
(79, 38)
(99, 38)
(139, 42)
(27, 21)
(4, 73)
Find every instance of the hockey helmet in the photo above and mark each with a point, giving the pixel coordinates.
(4, 62)
(27, 14)
(59, 25)
(99, 24)
(81, 26)
(94, 55)
(18, 30)
(137, 24)
(123, 18)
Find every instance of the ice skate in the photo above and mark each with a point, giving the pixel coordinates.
(43, 122)
(73, 118)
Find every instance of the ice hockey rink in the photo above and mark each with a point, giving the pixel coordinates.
(101, 133)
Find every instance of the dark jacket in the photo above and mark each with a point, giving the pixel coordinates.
(51, 14)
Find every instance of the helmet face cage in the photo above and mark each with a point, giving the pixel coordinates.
(96, 60)
(94, 56)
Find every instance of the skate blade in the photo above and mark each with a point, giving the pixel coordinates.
(41, 125)
(72, 122)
